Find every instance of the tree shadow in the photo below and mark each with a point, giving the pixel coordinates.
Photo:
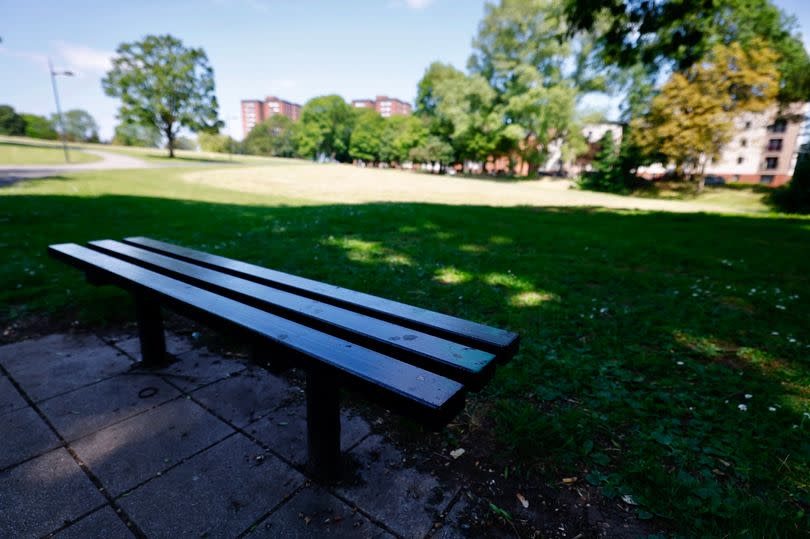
(642, 333)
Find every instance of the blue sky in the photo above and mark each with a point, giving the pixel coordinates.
(296, 49)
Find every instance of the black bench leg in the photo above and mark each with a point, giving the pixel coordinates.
(323, 425)
(150, 331)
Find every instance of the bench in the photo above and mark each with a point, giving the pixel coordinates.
(412, 361)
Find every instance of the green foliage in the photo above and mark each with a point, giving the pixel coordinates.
(606, 175)
(78, 124)
(217, 142)
(276, 137)
(676, 34)
(795, 196)
(11, 123)
(185, 143)
(432, 150)
(400, 135)
(366, 139)
(131, 134)
(39, 127)
(164, 84)
(326, 128)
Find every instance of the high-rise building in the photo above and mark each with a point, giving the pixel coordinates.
(386, 106)
(255, 111)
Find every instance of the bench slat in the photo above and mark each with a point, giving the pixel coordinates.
(410, 389)
(428, 351)
(502, 343)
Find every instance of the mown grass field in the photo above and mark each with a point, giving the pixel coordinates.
(25, 154)
(664, 355)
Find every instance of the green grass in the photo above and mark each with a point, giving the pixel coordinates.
(24, 154)
(642, 333)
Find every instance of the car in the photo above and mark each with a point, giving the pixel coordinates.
(714, 180)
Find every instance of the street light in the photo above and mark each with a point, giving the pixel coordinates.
(58, 108)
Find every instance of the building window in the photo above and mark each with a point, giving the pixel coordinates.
(744, 143)
(748, 124)
(779, 126)
(771, 162)
(766, 178)
(740, 160)
(735, 178)
(774, 145)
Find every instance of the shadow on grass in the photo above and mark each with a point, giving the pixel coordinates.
(664, 356)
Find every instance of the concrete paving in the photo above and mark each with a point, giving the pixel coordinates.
(95, 446)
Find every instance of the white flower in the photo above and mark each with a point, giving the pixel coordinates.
(771, 409)
(742, 407)
(781, 307)
(774, 333)
(748, 395)
(680, 363)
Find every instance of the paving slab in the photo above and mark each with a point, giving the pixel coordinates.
(247, 396)
(314, 513)
(199, 367)
(24, 435)
(128, 453)
(285, 431)
(175, 345)
(102, 524)
(90, 408)
(10, 398)
(409, 501)
(218, 493)
(58, 363)
(41, 495)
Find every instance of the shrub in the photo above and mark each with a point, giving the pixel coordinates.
(795, 196)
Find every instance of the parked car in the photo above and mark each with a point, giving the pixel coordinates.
(714, 180)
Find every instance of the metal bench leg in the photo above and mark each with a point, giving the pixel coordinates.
(323, 425)
(150, 331)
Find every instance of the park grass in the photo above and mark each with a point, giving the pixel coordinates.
(664, 356)
(25, 154)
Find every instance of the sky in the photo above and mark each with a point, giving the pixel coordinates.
(294, 49)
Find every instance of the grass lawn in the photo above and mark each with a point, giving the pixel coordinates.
(24, 154)
(664, 358)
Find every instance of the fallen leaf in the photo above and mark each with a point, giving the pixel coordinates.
(569, 480)
(523, 501)
(456, 453)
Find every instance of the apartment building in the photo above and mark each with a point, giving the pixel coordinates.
(386, 106)
(255, 111)
(764, 148)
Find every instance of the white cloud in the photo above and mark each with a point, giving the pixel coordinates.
(83, 59)
(418, 4)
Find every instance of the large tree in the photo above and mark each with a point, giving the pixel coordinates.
(326, 128)
(131, 134)
(164, 84)
(39, 127)
(692, 118)
(674, 34)
(366, 140)
(400, 135)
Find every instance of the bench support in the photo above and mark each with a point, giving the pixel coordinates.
(150, 331)
(323, 424)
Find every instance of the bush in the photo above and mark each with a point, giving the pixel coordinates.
(11, 123)
(606, 175)
(39, 127)
(795, 196)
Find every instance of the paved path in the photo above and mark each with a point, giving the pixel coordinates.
(109, 161)
(92, 446)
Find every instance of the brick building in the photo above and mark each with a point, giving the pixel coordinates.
(255, 111)
(386, 106)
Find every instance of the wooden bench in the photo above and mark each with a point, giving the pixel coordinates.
(412, 361)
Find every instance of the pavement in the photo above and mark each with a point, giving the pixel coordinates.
(210, 446)
(109, 161)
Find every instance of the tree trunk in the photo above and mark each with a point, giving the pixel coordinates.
(170, 141)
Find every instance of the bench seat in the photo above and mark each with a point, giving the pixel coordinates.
(415, 362)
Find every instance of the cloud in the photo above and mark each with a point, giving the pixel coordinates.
(418, 4)
(83, 59)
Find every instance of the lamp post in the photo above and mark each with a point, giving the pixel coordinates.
(58, 107)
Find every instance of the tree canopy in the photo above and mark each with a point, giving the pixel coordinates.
(11, 123)
(276, 136)
(78, 124)
(164, 84)
(131, 134)
(326, 128)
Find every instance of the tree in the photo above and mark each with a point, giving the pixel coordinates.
(366, 140)
(11, 123)
(326, 128)
(433, 150)
(605, 175)
(795, 196)
(693, 116)
(131, 134)
(400, 135)
(39, 127)
(164, 84)
(674, 35)
(217, 142)
(79, 126)
(276, 137)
